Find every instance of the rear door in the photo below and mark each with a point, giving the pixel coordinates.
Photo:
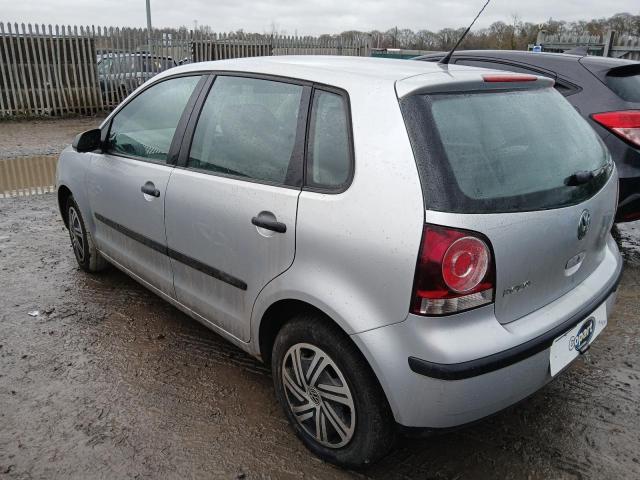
(505, 164)
(231, 203)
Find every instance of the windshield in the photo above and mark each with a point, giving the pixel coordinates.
(503, 151)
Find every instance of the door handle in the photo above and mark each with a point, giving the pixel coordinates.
(150, 189)
(268, 222)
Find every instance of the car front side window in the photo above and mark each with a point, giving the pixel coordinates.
(144, 128)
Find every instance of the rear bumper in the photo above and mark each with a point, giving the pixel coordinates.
(415, 360)
(506, 358)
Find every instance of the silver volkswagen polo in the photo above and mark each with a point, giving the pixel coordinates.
(408, 245)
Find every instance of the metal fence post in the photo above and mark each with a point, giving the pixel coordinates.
(608, 43)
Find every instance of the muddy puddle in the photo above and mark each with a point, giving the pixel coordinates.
(31, 175)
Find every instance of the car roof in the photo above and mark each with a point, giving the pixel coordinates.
(340, 71)
(310, 66)
(507, 54)
(526, 56)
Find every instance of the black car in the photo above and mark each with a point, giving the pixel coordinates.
(606, 91)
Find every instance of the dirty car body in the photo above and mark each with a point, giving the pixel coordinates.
(384, 226)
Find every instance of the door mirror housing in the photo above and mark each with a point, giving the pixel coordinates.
(88, 141)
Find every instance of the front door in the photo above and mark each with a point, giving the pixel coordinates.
(128, 181)
(231, 203)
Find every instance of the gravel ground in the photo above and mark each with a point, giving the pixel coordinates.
(109, 381)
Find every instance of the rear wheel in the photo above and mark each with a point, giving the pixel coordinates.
(84, 249)
(330, 395)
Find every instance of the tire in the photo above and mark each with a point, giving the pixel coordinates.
(84, 248)
(355, 431)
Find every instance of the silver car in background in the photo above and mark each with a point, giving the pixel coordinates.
(408, 245)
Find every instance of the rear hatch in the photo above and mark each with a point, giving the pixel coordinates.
(522, 167)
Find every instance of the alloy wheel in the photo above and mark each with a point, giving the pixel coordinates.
(76, 234)
(318, 395)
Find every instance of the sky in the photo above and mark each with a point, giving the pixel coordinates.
(304, 17)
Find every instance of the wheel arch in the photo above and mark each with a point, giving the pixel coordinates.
(276, 316)
(284, 310)
(63, 195)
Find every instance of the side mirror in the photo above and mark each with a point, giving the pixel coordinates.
(88, 141)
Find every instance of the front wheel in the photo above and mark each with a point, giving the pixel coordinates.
(330, 395)
(84, 249)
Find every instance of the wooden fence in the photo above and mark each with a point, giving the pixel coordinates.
(608, 45)
(50, 70)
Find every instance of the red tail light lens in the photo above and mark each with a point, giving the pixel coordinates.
(454, 273)
(465, 264)
(625, 124)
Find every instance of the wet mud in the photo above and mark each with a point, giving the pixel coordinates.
(99, 378)
(41, 137)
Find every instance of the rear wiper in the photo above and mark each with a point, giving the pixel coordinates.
(579, 178)
(585, 176)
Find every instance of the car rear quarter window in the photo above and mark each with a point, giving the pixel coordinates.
(145, 126)
(502, 151)
(329, 150)
(247, 128)
(625, 82)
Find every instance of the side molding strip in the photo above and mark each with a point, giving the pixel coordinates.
(180, 257)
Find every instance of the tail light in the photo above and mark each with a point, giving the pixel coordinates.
(625, 124)
(508, 77)
(455, 272)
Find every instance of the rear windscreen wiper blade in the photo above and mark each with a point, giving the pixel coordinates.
(578, 178)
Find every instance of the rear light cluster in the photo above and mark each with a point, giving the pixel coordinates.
(455, 272)
(625, 124)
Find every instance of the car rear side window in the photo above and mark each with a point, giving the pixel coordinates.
(503, 151)
(247, 128)
(625, 82)
(329, 149)
(145, 126)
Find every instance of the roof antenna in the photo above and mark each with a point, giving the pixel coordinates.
(445, 60)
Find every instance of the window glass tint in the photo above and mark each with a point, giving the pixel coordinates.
(565, 89)
(247, 128)
(145, 126)
(505, 151)
(625, 82)
(104, 66)
(329, 159)
(123, 63)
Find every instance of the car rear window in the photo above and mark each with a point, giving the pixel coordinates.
(502, 151)
(625, 82)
